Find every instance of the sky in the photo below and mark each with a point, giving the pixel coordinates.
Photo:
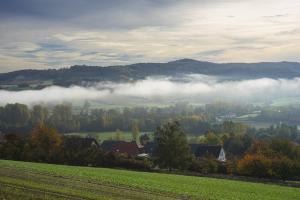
(43, 34)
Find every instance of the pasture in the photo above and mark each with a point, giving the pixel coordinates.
(101, 136)
(25, 180)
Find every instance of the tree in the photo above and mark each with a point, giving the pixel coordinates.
(15, 117)
(63, 119)
(281, 147)
(144, 139)
(39, 114)
(171, 148)
(275, 158)
(234, 128)
(135, 130)
(12, 147)
(255, 165)
(211, 138)
(44, 143)
(237, 145)
(118, 134)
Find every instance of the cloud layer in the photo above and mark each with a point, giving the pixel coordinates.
(57, 33)
(194, 88)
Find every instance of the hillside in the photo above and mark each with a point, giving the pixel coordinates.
(24, 180)
(80, 75)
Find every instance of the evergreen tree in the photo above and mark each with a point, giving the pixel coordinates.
(171, 148)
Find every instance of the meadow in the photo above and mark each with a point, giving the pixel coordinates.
(101, 136)
(125, 135)
(25, 180)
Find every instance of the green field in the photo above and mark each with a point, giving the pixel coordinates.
(24, 180)
(126, 136)
(101, 136)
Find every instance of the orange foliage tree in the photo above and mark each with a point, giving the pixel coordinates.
(273, 159)
(44, 143)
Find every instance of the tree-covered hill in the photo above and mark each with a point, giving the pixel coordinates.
(79, 75)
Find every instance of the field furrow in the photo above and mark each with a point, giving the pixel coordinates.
(43, 183)
(25, 180)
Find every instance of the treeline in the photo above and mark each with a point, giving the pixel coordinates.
(21, 118)
(65, 118)
(271, 159)
(80, 74)
(197, 121)
(237, 137)
(283, 114)
(45, 144)
(246, 155)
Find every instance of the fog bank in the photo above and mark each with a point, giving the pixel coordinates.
(193, 88)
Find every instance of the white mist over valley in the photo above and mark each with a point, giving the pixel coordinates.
(194, 88)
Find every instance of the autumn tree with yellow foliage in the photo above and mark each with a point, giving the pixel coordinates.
(44, 143)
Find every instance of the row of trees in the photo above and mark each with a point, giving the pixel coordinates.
(271, 159)
(195, 121)
(246, 154)
(21, 118)
(237, 136)
(45, 144)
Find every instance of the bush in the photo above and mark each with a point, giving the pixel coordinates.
(264, 167)
(206, 166)
(285, 168)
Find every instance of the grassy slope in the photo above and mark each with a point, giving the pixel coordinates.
(196, 187)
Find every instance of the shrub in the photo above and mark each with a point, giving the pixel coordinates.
(206, 166)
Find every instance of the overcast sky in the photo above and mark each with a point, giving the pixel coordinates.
(59, 33)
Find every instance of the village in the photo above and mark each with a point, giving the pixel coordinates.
(142, 148)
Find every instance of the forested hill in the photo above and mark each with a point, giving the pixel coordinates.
(80, 74)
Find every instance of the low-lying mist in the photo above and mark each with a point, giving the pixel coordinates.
(192, 88)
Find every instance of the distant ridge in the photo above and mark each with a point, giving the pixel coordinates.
(80, 74)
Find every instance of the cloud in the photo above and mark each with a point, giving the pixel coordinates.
(69, 32)
(92, 13)
(192, 88)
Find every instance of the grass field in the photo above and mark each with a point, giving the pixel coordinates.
(24, 180)
(101, 136)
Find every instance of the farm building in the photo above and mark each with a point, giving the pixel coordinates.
(202, 150)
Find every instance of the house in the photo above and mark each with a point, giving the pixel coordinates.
(193, 148)
(130, 148)
(149, 148)
(202, 150)
(108, 145)
(80, 143)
